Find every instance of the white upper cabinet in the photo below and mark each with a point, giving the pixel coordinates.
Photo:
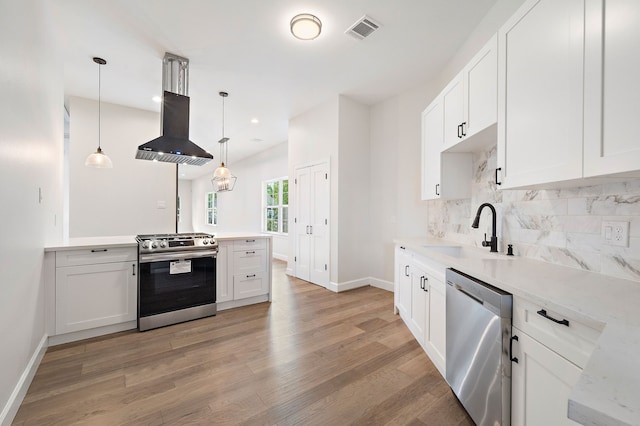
(540, 93)
(470, 100)
(612, 92)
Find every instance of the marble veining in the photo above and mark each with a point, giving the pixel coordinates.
(560, 226)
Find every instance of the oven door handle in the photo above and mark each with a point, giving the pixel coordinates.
(159, 257)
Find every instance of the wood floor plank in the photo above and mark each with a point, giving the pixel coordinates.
(310, 357)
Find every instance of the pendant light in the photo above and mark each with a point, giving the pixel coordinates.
(99, 159)
(223, 180)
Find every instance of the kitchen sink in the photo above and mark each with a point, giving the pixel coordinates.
(460, 252)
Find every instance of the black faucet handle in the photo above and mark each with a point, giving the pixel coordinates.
(485, 243)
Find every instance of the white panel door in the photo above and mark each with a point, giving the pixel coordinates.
(419, 303)
(540, 93)
(435, 333)
(612, 92)
(90, 296)
(403, 284)
(312, 224)
(541, 383)
(224, 271)
(432, 142)
(481, 89)
(453, 104)
(319, 226)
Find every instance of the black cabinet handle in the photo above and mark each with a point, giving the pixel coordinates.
(459, 131)
(251, 276)
(543, 313)
(513, 358)
(250, 252)
(406, 270)
(403, 247)
(422, 283)
(133, 269)
(497, 170)
(97, 250)
(437, 186)
(464, 132)
(426, 282)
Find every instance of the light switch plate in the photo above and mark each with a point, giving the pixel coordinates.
(616, 233)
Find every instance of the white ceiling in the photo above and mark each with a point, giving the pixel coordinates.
(245, 47)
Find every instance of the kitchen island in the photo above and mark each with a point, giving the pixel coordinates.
(605, 392)
(91, 283)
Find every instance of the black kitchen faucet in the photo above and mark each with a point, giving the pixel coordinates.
(493, 243)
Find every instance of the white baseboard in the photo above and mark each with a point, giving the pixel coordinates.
(280, 256)
(361, 282)
(92, 332)
(289, 272)
(17, 396)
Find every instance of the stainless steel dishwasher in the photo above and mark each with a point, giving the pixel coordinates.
(478, 355)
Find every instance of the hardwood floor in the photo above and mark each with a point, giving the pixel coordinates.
(309, 357)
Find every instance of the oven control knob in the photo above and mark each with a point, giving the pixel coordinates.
(163, 243)
(145, 244)
(154, 245)
(212, 241)
(205, 242)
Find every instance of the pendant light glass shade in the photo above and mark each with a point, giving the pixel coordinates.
(99, 159)
(223, 180)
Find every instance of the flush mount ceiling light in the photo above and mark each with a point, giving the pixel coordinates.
(223, 180)
(99, 159)
(305, 26)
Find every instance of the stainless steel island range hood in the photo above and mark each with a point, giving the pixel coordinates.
(174, 145)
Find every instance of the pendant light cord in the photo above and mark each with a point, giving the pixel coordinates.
(99, 103)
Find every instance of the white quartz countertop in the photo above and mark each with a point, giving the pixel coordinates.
(607, 393)
(130, 241)
(93, 242)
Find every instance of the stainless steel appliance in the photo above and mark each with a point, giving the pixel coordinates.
(176, 279)
(478, 354)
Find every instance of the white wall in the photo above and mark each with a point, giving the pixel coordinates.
(353, 197)
(123, 200)
(241, 209)
(31, 146)
(186, 207)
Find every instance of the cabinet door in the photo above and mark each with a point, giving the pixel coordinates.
(224, 272)
(419, 303)
(481, 89)
(453, 104)
(90, 296)
(435, 327)
(540, 93)
(432, 141)
(541, 383)
(403, 284)
(249, 285)
(612, 94)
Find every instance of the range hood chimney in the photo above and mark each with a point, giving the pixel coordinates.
(174, 145)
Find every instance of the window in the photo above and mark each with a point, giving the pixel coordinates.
(211, 204)
(276, 206)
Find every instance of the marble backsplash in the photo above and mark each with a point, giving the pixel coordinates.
(561, 226)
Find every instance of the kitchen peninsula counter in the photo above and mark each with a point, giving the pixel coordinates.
(607, 391)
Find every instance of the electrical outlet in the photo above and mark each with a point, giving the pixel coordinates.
(616, 233)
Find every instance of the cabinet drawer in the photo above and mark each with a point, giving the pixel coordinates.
(249, 285)
(249, 261)
(575, 341)
(95, 256)
(250, 244)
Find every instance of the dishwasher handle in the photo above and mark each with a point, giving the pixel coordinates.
(469, 295)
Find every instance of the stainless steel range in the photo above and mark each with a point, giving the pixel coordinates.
(177, 278)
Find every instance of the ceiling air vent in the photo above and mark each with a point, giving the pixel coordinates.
(363, 28)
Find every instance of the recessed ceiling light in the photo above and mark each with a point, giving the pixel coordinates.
(255, 120)
(157, 99)
(305, 26)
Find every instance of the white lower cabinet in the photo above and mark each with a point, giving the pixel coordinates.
(551, 349)
(243, 271)
(95, 291)
(420, 301)
(541, 381)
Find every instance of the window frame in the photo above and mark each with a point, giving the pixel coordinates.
(213, 209)
(279, 207)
